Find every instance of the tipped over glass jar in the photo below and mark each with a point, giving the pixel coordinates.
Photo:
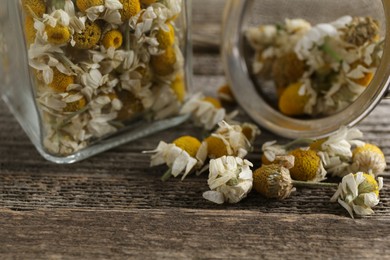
(83, 76)
(304, 68)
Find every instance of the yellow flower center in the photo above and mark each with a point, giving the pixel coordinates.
(58, 34)
(60, 81)
(306, 165)
(131, 105)
(189, 144)
(368, 185)
(248, 132)
(178, 86)
(148, 2)
(215, 147)
(37, 7)
(29, 30)
(290, 102)
(166, 38)
(163, 64)
(130, 9)
(215, 102)
(76, 105)
(83, 5)
(226, 94)
(112, 38)
(89, 37)
(367, 148)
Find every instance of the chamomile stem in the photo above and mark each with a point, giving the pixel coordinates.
(167, 175)
(314, 184)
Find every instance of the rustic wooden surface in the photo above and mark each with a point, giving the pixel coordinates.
(114, 206)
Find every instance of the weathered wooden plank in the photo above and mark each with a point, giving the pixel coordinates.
(243, 234)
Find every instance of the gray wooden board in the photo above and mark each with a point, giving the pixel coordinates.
(114, 206)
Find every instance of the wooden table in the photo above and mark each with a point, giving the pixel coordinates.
(114, 206)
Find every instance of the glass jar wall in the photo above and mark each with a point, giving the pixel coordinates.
(303, 68)
(85, 76)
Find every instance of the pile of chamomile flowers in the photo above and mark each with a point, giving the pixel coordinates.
(300, 163)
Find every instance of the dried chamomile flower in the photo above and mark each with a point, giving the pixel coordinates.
(336, 150)
(164, 64)
(34, 7)
(61, 81)
(358, 193)
(273, 181)
(293, 100)
(271, 150)
(83, 5)
(368, 158)
(58, 34)
(178, 87)
(130, 9)
(112, 39)
(29, 30)
(206, 111)
(230, 180)
(225, 94)
(74, 102)
(166, 38)
(307, 166)
(180, 156)
(250, 131)
(88, 37)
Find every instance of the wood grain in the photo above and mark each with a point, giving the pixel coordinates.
(113, 206)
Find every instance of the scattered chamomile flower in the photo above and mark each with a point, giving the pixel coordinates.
(250, 131)
(273, 181)
(358, 193)
(225, 94)
(336, 150)
(307, 166)
(234, 137)
(181, 156)
(368, 158)
(230, 180)
(271, 150)
(206, 111)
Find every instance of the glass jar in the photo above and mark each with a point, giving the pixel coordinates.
(83, 76)
(304, 68)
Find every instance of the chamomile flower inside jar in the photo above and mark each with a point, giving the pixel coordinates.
(90, 75)
(304, 68)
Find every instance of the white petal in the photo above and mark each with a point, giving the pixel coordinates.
(214, 196)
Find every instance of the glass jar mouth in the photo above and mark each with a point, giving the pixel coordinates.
(244, 89)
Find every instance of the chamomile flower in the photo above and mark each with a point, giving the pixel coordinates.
(180, 155)
(88, 37)
(230, 180)
(307, 166)
(273, 181)
(206, 111)
(293, 100)
(271, 150)
(358, 193)
(225, 94)
(108, 10)
(368, 158)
